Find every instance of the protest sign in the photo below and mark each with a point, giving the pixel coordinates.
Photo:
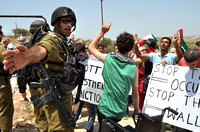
(92, 88)
(178, 88)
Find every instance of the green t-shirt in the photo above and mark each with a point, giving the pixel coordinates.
(118, 79)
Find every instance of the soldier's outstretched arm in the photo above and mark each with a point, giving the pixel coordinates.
(21, 56)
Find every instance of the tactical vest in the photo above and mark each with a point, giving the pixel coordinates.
(73, 71)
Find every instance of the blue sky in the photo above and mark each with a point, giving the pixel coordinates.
(159, 17)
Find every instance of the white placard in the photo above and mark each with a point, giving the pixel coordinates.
(92, 88)
(176, 87)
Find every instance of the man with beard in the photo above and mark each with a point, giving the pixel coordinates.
(53, 51)
(164, 55)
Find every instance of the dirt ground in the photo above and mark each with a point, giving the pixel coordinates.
(23, 120)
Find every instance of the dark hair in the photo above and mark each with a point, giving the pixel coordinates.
(191, 55)
(198, 43)
(125, 42)
(80, 47)
(100, 45)
(0, 26)
(167, 39)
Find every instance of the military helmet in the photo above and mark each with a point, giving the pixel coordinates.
(62, 12)
(36, 24)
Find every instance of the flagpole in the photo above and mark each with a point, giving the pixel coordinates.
(102, 15)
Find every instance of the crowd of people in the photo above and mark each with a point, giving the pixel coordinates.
(131, 67)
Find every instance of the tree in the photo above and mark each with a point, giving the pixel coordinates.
(19, 31)
(109, 44)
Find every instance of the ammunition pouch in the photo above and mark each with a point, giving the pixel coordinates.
(73, 72)
(38, 102)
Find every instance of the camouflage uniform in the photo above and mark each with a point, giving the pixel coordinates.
(6, 102)
(47, 117)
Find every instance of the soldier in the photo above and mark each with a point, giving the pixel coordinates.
(29, 73)
(53, 51)
(6, 103)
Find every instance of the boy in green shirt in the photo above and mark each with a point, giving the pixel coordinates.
(119, 75)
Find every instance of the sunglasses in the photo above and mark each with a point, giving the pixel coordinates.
(66, 21)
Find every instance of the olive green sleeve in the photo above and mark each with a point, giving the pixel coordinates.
(2, 49)
(55, 52)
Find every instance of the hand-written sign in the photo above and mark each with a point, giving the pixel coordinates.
(176, 87)
(92, 88)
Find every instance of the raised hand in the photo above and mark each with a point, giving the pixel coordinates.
(136, 38)
(136, 42)
(175, 38)
(105, 28)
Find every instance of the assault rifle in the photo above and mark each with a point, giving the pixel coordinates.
(54, 91)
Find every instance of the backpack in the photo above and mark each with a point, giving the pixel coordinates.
(31, 72)
(38, 35)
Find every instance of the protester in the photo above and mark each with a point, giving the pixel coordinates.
(6, 101)
(191, 58)
(197, 45)
(145, 68)
(164, 57)
(164, 54)
(101, 48)
(91, 108)
(117, 84)
(115, 48)
(52, 51)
